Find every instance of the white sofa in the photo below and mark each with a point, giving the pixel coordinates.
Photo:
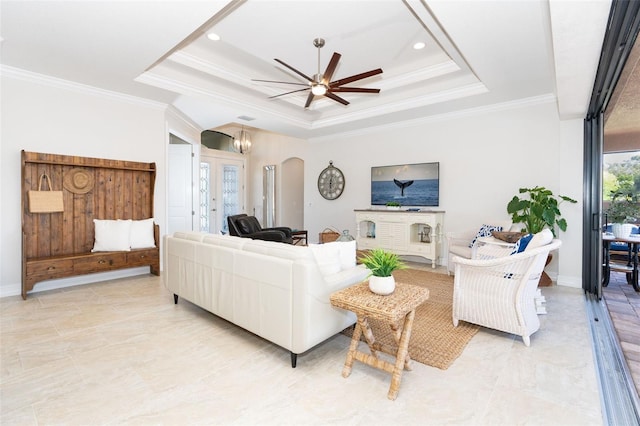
(277, 291)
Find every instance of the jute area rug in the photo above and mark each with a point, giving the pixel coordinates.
(434, 340)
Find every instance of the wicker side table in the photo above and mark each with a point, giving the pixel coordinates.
(396, 309)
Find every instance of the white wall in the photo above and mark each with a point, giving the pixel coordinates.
(484, 158)
(45, 115)
(270, 148)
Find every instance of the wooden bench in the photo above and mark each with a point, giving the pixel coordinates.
(58, 245)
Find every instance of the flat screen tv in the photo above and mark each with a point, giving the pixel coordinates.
(415, 185)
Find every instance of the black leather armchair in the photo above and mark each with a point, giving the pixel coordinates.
(241, 225)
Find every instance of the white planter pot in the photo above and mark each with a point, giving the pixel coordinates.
(621, 230)
(393, 207)
(382, 285)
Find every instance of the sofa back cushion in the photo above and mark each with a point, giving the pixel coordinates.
(277, 249)
(190, 235)
(225, 241)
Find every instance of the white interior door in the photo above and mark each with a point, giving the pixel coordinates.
(224, 191)
(180, 188)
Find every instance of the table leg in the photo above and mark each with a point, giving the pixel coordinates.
(397, 334)
(401, 357)
(355, 339)
(368, 335)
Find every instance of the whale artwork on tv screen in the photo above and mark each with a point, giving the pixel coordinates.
(408, 184)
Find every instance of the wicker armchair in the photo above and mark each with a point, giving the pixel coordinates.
(459, 243)
(498, 291)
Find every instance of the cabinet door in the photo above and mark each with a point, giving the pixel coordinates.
(392, 235)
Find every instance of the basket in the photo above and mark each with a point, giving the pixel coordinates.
(328, 235)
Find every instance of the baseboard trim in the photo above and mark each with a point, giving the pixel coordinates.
(16, 289)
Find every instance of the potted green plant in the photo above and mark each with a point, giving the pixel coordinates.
(538, 210)
(382, 263)
(621, 213)
(393, 205)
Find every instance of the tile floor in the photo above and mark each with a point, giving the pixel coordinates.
(121, 352)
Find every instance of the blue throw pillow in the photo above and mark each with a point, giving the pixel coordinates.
(485, 231)
(522, 243)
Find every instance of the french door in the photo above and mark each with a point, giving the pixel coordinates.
(222, 190)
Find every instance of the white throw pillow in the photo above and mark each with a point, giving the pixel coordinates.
(327, 257)
(347, 253)
(111, 235)
(141, 234)
(540, 239)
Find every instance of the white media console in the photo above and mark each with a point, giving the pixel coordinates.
(415, 233)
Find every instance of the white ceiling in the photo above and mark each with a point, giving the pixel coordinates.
(479, 53)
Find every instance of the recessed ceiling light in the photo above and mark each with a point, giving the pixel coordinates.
(419, 45)
(213, 36)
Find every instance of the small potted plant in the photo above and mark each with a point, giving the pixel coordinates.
(622, 213)
(393, 205)
(382, 263)
(539, 210)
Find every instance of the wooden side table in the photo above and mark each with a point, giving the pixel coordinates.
(397, 310)
(299, 237)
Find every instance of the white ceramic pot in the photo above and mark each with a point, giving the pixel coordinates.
(382, 285)
(621, 230)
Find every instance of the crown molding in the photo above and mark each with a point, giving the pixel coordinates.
(405, 104)
(470, 112)
(178, 86)
(179, 115)
(46, 80)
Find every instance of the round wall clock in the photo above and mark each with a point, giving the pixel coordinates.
(331, 182)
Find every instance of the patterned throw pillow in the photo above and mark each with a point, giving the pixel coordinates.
(485, 231)
(522, 243)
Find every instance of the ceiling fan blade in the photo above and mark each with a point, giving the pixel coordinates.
(287, 93)
(355, 78)
(294, 70)
(331, 67)
(354, 90)
(336, 98)
(309, 100)
(280, 82)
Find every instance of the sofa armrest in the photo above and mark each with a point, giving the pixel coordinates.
(283, 229)
(278, 236)
(461, 238)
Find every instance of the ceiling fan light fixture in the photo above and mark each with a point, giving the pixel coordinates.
(318, 89)
(322, 84)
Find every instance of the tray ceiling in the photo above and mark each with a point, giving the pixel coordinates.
(478, 54)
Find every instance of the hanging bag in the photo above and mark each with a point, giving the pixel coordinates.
(45, 201)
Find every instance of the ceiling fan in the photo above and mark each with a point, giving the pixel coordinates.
(321, 84)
